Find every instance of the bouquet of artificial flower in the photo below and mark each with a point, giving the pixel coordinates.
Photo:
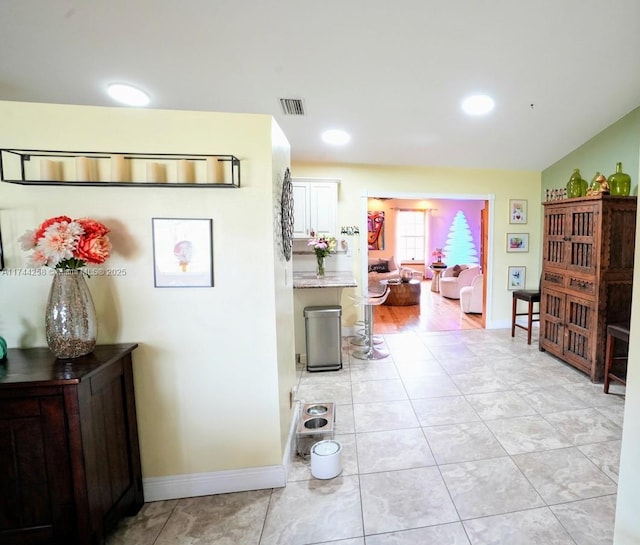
(438, 254)
(323, 246)
(65, 243)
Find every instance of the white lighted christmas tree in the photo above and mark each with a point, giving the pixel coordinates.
(460, 248)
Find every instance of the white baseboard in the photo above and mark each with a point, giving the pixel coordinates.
(216, 482)
(222, 482)
(498, 324)
(506, 324)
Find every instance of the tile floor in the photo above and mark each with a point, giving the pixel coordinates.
(462, 438)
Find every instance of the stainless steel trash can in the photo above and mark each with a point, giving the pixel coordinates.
(322, 326)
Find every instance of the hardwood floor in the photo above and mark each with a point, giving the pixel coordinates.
(434, 313)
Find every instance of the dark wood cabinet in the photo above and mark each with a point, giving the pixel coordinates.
(68, 446)
(587, 276)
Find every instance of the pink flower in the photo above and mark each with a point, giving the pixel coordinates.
(28, 240)
(37, 258)
(323, 246)
(64, 243)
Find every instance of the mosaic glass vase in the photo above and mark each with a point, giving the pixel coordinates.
(71, 324)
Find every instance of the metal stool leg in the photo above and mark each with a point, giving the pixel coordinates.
(371, 352)
(362, 339)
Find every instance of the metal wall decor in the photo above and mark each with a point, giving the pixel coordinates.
(118, 169)
(287, 219)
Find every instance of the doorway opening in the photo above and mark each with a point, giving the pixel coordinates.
(450, 223)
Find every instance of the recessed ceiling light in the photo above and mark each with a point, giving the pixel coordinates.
(127, 94)
(336, 137)
(478, 104)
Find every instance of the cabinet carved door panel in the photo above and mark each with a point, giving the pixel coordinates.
(571, 237)
(583, 239)
(552, 308)
(555, 243)
(580, 320)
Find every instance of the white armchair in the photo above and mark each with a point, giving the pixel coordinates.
(471, 296)
(451, 285)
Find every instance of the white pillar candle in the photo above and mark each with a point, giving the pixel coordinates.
(185, 171)
(49, 170)
(215, 170)
(84, 170)
(119, 169)
(155, 173)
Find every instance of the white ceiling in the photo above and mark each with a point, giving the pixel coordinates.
(392, 73)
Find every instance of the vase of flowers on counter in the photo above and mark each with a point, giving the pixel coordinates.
(323, 246)
(67, 246)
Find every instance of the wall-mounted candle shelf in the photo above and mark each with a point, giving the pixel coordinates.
(44, 167)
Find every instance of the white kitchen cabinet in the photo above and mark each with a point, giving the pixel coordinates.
(315, 207)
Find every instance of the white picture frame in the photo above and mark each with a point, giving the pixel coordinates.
(516, 278)
(517, 211)
(517, 242)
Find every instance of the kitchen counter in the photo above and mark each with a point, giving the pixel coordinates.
(330, 280)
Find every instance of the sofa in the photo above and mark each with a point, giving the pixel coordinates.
(453, 279)
(388, 269)
(383, 269)
(471, 296)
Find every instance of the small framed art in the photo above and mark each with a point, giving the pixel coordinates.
(517, 277)
(182, 253)
(517, 242)
(517, 211)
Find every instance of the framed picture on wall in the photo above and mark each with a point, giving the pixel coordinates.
(517, 242)
(516, 278)
(182, 253)
(375, 228)
(517, 211)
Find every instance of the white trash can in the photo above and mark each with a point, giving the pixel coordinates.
(326, 459)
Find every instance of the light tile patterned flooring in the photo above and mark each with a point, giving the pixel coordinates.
(463, 438)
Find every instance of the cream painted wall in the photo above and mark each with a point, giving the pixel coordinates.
(360, 181)
(214, 365)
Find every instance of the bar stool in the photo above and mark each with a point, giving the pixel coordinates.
(530, 297)
(361, 338)
(620, 332)
(371, 352)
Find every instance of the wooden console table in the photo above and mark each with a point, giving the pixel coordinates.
(68, 446)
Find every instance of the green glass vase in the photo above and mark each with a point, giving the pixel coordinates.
(576, 185)
(619, 182)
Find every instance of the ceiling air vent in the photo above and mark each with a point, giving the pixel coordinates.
(292, 106)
